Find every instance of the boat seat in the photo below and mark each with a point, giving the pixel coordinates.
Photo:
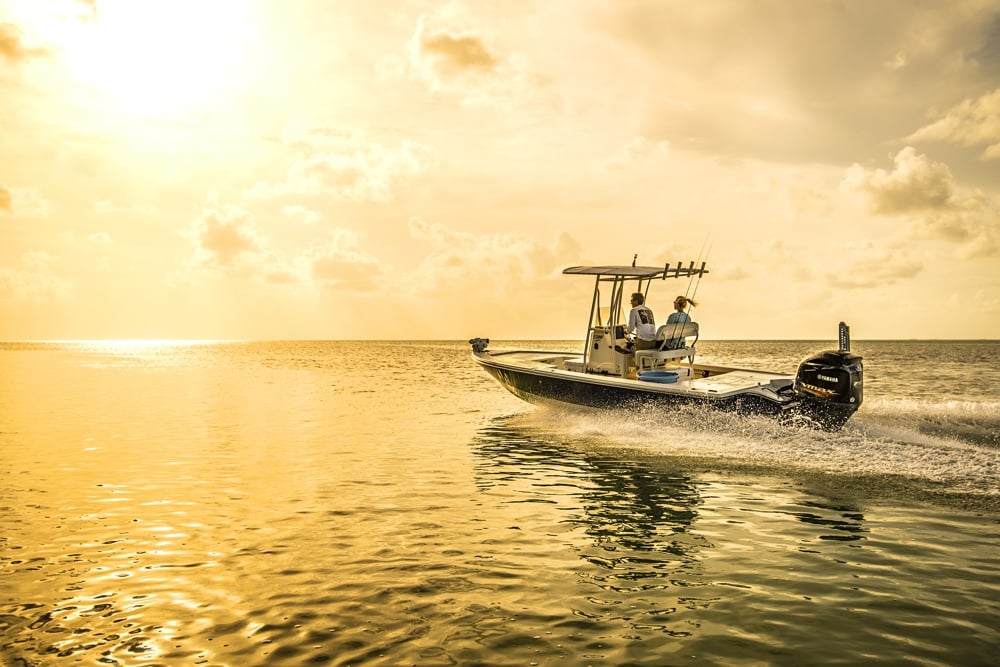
(667, 335)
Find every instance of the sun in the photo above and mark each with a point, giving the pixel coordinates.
(163, 57)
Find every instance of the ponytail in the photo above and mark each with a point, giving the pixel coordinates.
(685, 301)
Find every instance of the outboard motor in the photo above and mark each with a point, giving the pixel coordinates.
(831, 383)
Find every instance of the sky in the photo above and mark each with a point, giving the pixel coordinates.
(362, 169)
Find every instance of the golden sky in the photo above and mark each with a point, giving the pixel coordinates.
(367, 169)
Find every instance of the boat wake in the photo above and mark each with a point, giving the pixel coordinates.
(972, 422)
(890, 449)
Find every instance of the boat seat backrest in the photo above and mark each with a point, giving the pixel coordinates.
(664, 335)
(677, 330)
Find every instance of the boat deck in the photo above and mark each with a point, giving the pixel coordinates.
(738, 380)
(719, 381)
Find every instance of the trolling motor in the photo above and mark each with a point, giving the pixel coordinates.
(833, 381)
(479, 344)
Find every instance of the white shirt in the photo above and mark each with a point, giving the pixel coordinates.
(642, 322)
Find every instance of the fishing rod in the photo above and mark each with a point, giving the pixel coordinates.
(701, 263)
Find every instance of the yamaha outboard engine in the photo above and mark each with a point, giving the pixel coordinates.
(831, 384)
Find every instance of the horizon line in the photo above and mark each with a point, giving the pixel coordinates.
(203, 341)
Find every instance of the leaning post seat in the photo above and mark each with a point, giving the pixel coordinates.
(667, 335)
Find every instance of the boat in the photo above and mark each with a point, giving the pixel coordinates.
(823, 392)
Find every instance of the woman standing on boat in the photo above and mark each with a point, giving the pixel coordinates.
(642, 323)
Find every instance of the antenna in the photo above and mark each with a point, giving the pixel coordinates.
(634, 257)
(844, 334)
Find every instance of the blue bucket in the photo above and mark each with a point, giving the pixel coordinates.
(663, 377)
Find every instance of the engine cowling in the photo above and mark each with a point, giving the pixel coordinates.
(834, 376)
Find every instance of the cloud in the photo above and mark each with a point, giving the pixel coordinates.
(345, 165)
(452, 58)
(924, 189)
(226, 239)
(638, 149)
(441, 54)
(457, 52)
(224, 236)
(340, 262)
(866, 265)
(974, 223)
(509, 260)
(13, 46)
(973, 122)
(32, 280)
(501, 283)
(915, 183)
(301, 213)
(23, 202)
(896, 62)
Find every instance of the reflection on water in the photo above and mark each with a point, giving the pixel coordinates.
(651, 525)
(637, 520)
(638, 548)
(848, 522)
(622, 503)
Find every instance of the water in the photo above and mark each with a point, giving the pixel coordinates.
(389, 504)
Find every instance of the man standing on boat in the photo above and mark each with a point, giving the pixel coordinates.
(641, 323)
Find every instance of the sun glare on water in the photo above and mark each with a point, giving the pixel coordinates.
(162, 57)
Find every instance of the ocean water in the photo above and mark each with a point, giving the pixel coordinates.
(387, 503)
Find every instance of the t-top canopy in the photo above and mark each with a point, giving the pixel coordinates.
(645, 272)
